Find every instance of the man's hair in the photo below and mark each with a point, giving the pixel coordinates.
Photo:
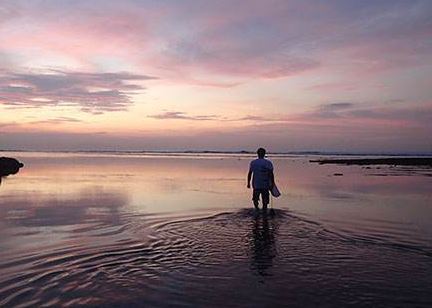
(261, 152)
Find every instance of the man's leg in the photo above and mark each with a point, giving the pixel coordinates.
(265, 198)
(255, 198)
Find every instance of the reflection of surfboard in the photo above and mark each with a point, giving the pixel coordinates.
(275, 191)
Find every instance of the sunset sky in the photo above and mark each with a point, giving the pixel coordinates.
(352, 76)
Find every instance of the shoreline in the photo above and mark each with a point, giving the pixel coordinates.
(394, 161)
(234, 152)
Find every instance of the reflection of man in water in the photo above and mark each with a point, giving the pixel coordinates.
(263, 178)
(263, 244)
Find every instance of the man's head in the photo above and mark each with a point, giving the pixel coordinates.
(261, 152)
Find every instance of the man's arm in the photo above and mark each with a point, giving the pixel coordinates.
(249, 178)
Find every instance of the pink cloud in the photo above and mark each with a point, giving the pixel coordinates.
(237, 40)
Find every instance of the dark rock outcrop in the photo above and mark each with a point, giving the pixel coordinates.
(396, 161)
(9, 166)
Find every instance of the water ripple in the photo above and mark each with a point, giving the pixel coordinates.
(275, 259)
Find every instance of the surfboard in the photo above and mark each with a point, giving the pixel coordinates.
(275, 191)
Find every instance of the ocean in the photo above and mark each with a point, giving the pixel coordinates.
(179, 229)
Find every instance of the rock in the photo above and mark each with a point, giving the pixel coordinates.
(9, 166)
(396, 161)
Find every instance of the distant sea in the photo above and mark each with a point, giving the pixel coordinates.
(163, 229)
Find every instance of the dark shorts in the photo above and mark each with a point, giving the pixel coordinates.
(265, 195)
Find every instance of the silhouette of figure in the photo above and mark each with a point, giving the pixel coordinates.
(263, 243)
(261, 173)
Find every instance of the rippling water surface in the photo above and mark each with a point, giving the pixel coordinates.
(150, 230)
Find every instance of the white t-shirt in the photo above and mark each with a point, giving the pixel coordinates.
(261, 169)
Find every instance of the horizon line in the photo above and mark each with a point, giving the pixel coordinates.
(245, 152)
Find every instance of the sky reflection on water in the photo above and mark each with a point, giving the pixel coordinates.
(65, 190)
(63, 210)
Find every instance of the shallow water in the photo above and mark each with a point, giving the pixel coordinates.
(145, 230)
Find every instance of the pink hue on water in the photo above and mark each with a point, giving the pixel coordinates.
(93, 228)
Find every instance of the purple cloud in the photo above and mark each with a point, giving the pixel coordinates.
(177, 115)
(90, 92)
(377, 111)
(332, 110)
(57, 120)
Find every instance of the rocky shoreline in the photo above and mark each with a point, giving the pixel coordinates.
(393, 161)
(9, 166)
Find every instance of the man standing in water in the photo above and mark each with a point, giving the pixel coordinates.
(263, 179)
